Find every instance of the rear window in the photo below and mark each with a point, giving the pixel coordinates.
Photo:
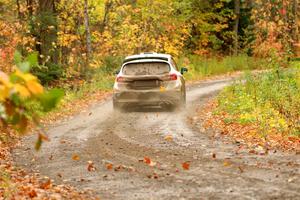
(151, 68)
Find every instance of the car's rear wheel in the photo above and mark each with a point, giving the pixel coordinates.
(117, 105)
(180, 104)
(182, 101)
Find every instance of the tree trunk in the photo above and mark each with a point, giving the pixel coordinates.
(87, 32)
(237, 8)
(19, 11)
(30, 7)
(295, 24)
(47, 32)
(108, 7)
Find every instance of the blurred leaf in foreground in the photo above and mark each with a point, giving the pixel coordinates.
(51, 98)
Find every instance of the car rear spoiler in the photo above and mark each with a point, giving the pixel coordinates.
(144, 58)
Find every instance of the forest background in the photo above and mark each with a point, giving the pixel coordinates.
(73, 39)
(78, 45)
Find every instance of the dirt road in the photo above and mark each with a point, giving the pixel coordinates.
(121, 141)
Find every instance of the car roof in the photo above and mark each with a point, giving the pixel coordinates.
(148, 56)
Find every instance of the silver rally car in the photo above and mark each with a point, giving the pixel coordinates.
(149, 79)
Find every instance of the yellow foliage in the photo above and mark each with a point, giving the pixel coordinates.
(25, 76)
(4, 92)
(34, 87)
(4, 86)
(22, 90)
(26, 86)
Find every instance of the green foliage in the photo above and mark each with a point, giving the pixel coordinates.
(28, 63)
(21, 95)
(111, 64)
(50, 99)
(47, 74)
(200, 67)
(271, 100)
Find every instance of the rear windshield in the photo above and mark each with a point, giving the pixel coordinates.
(151, 68)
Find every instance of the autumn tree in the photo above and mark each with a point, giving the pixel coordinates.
(274, 25)
(87, 31)
(67, 34)
(237, 10)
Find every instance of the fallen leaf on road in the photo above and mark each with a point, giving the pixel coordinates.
(131, 169)
(226, 163)
(162, 89)
(155, 176)
(75, 157)
(213, 155)
(186, 165)
(169, 138)
(241, 169)
(149, 161)
(63, 141)
(252, 151)
(32, 193)
(109, 166)
(292, 179)
(91, 166)
(119, 168)
(152, 164)
(46, 185)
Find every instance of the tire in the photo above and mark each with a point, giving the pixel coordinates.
(183, 99)
(117, 106)
(182, 103)
(170, 107)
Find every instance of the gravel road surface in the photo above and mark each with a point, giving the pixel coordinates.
(117, 143)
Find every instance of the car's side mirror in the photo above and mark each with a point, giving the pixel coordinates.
(117, 72)
(183, 70)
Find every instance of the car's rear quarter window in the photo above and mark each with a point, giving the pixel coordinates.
(149, 68)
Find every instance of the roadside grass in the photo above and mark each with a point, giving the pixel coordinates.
(100, 81)
(270, 100)
(200, 67)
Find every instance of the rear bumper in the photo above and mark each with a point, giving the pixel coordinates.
(147, 97)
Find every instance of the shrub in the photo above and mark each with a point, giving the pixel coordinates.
(46, 74)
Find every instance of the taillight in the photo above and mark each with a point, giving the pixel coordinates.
(120, 79)
(173, 77)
